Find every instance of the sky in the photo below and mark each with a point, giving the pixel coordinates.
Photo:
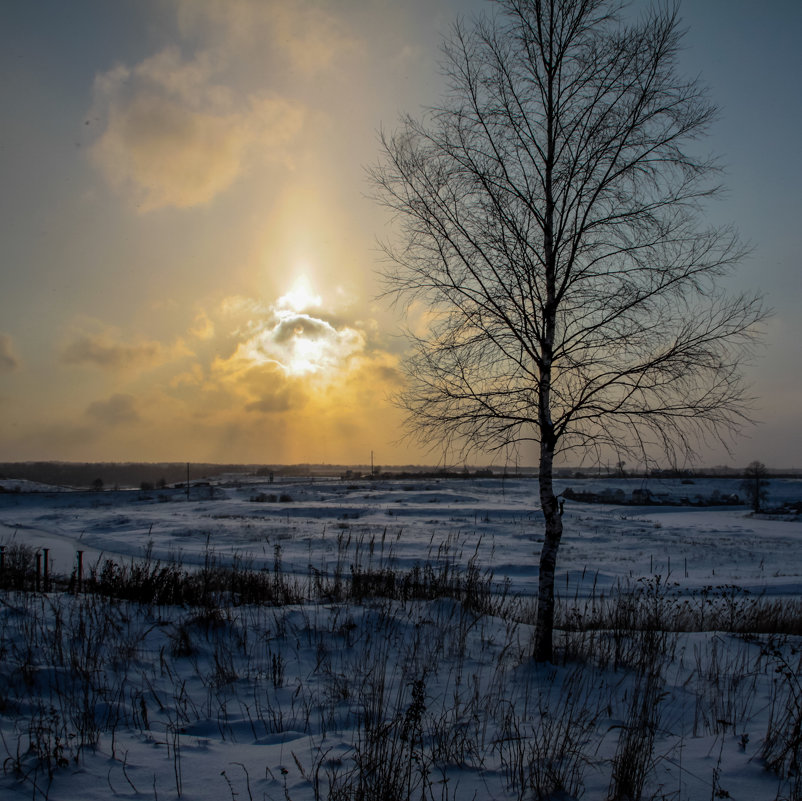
(189, 249)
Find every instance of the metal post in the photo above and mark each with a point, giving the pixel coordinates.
(46, 552)
(80, 576)
(38, 569)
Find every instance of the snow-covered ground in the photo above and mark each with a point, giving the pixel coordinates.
(332, 698)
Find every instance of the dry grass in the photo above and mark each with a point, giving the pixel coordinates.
(427, 670)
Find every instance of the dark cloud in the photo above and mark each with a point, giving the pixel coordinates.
(390, 375)
(281, 400)
(8, 359)
(301, 325)
(117, 410)
(109, 355)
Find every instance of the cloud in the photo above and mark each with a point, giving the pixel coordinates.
(389, 374)
(172, 136)
(301, 344)
(303, 33)
(203, 327)
(286, 378)
(8, 358)
(118, 409)
(313, 39)
(282, 399)
(98, 351)
(264, 386)
(301, 325)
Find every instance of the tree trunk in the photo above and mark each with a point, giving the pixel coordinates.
(544, 628)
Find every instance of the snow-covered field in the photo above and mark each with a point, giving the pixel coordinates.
(429, 693)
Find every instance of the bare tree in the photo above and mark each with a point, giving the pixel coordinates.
(755, 485)
(549, 219)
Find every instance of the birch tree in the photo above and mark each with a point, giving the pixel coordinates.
(550, 221)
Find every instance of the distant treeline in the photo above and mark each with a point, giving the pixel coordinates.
(108, 475)
(86, 475)
(428, 472)
(114, 474)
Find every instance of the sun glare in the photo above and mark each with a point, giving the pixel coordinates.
(306, 356)
(299, 339)
(300, 297)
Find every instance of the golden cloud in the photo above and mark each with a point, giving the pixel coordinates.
(173, 137)
(100, 351)
(116, 410)
(303, 33)
(312, 37)
(265, 381)
(294, 365)
(273, 392)
(203, 327)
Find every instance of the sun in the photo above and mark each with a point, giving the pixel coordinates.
(305, 356)
(300, 298)
(301, 338)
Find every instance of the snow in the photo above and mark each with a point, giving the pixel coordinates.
(304, 700)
